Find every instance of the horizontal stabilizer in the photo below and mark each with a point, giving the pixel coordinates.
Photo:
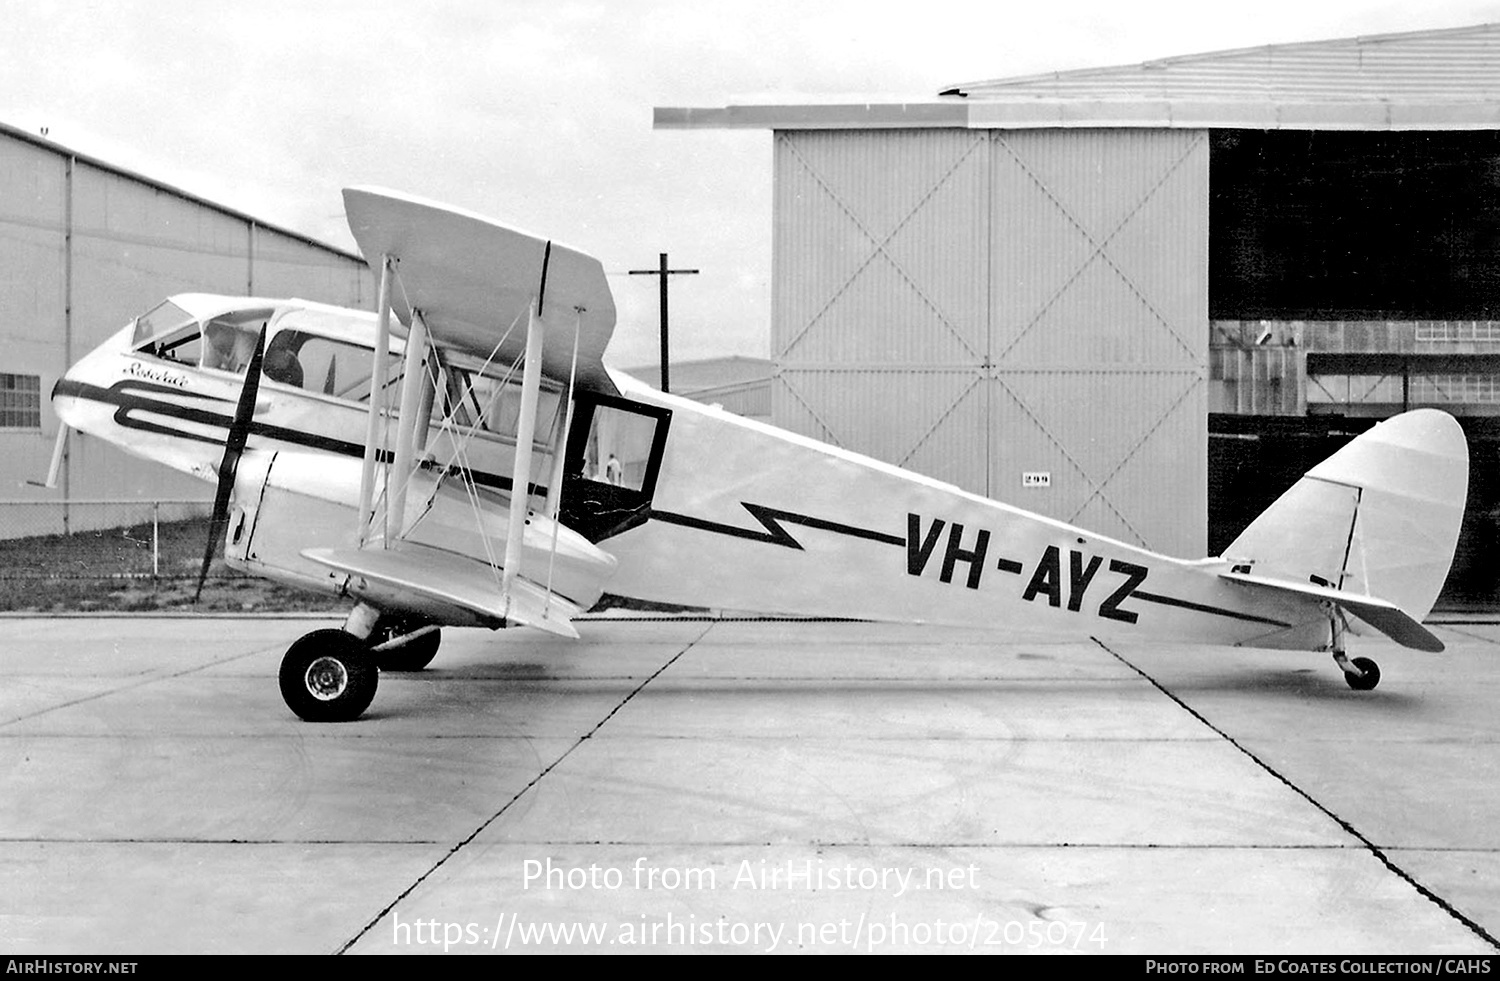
(1388, 618)
(436, 583)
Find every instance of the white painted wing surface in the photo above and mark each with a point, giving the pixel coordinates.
(473, 278)
(437, 583)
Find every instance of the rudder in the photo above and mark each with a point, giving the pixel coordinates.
(1379, 517)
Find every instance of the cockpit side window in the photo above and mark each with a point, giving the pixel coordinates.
(183, 346)
(162, 319)
(170, 333)
(229, 340)
(225, 343)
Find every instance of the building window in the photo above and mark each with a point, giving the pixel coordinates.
(20, 401)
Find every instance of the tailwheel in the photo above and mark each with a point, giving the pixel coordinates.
(1362, 674)
(328, 676)
(418, 643)
(1365, 676)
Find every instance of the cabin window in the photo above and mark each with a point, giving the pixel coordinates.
(327, 366)
(618, 450)
(494, 406)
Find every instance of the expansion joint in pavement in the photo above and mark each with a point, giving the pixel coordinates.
(1354, 832)
(521, 793)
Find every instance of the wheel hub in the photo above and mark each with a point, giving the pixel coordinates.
(326, 679)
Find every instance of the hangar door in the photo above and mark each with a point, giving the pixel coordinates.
(1099, 330)
(985, 305)
(879, 288)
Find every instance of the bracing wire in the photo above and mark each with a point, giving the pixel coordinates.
(459, 446)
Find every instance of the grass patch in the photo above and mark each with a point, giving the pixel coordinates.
(112, 569)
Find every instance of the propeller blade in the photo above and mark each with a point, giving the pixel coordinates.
(234, 445)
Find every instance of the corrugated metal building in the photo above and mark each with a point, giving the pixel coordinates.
(735, 383)
(85, 246)
(1021, 277)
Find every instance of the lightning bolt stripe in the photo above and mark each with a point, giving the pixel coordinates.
(772, 530)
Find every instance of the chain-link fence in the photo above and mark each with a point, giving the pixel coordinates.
(133, 555)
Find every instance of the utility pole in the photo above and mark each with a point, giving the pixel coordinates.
(663, 272)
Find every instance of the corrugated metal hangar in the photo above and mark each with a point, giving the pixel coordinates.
(1039, 288)
(734, 383)
(85, 246)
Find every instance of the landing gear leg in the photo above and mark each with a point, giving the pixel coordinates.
(404, 645)
(362, 621)
(1362, 674)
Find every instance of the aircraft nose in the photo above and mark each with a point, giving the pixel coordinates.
(67, 385)
(76, 387)
(65, 393)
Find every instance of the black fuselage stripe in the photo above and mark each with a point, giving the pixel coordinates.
(773, 533)
(1202, 608)
(126, 403)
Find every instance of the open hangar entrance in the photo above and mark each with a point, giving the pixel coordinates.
(1353, 275)
(1338, 226)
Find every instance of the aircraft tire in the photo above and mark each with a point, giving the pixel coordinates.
(328, 676)
(408, 657)
(1368, 677)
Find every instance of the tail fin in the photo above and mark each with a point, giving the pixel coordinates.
(1380, 517)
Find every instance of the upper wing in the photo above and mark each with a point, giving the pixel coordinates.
(472, 279)
(1388, 618)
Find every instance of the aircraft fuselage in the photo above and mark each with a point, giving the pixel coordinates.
(723, 512)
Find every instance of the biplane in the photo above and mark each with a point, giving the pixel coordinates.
(462, 457)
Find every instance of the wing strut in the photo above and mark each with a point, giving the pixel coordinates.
(560, 450)
(377, 396)
(412, 387)
(58, 449)
(531, 381)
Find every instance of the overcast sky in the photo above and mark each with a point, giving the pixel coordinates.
(538, 113)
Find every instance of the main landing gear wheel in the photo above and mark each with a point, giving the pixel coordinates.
(414, 655)
(328, 676)
(1368, 677)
